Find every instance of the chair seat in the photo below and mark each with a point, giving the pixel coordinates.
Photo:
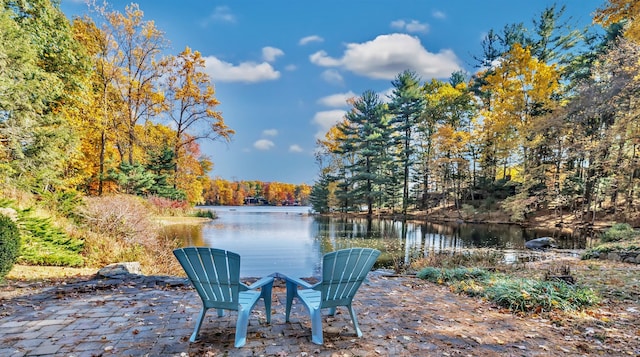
(248, 298)
(310, 298)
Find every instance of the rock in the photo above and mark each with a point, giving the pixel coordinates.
(540, 243)
(117, 269)
(9, 212)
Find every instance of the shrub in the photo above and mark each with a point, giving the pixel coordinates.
(442, 276)
(9, 245)
(528, 295)
(162, 206)
(204, 213)
(516, 294)
(619, 232)
(43, 243)
(124, 218)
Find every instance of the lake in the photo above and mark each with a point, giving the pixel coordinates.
(291, 241)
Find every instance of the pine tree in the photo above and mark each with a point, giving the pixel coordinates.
(366, 135)
(406, 107)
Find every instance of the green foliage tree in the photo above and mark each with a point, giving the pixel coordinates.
(53, 66)
(9, 245)
(406, 105)
(366, 136)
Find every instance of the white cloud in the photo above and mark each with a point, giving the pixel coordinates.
(314, 38)
(248, 72)
(295, 148)
(270, 54)
(385, 96)
(290, 67)
(332, 76)
(325, 120)
(263, 144)
(388, 55)
(411, 26)
(439, 14)
(223, 14)
(337, 100)
(270, 132)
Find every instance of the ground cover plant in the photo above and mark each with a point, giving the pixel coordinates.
(518, 294)
(620, 237)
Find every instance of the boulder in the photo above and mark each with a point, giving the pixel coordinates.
(540, 243)
(118, 269)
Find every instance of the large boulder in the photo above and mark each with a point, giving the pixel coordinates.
(119, 269)
(540, 243)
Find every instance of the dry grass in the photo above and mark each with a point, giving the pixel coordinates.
(28, 273)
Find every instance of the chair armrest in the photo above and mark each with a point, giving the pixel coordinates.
(260, 283)
(298, 282)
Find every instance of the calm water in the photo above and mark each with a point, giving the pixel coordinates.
(290, 241)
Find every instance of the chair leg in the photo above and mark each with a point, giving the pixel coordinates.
(316, 326)
(220, 312)
(266, 295)
(291, 293)
(194, 336)
(241, 326)
(355, 320)
(332, 311)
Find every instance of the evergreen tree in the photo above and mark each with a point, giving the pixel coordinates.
(366, 135)
(406, 107)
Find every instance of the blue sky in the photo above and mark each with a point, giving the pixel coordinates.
(283, 69)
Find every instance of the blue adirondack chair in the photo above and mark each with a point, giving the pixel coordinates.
(215, 274)
(342, 273)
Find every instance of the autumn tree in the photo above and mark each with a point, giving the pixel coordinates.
(191, 103)
(136, 47)
(626, 12)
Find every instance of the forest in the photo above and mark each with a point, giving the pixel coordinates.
(549, 121)
(93, 106)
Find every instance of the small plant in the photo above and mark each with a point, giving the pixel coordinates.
(204, 213)
(442, 276)
(619, 232)
(163, 206)
(9, 245)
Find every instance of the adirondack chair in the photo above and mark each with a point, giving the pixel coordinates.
(215, 274)
(342, 273)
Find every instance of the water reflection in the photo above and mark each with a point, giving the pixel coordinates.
(290, 241)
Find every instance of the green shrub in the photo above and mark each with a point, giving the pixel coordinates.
(619, 232)
(45, 244)
(527, 295)
(9, 245)
(204, 213)
(442, 276)
(516, 294)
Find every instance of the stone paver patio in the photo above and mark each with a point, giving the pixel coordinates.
(154, 316)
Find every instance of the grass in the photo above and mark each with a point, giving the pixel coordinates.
(30, 273)
(514, 293)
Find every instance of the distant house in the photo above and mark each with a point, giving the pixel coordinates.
(255, 201)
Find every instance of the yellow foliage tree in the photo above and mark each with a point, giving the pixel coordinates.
(521, 89)
(625, 11)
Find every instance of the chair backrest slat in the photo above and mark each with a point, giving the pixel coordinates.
(214, 273)
(343, 272)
